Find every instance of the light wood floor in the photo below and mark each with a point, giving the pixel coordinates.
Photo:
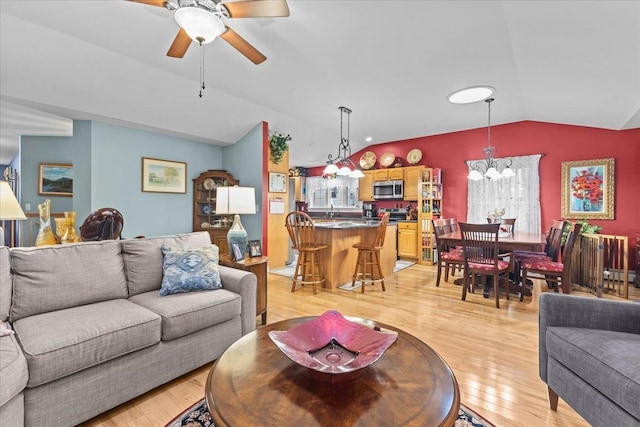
(492, 352)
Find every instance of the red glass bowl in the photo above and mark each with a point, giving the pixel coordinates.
(332, 344)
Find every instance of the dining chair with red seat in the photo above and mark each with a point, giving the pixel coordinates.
(551, 252)
(482, 258)
(552, 246)
(448, 258)
(368, 268)
(303, 239)
(555, 273)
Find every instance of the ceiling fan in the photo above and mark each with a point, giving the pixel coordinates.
(201, 21)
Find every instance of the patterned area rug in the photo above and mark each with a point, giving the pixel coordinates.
(198, 416)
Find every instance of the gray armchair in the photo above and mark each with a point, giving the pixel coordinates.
(590, 356)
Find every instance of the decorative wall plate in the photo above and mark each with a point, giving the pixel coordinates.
(208, 184)
(367, 160)
(206, 209)
(387, 159)
(414, 156)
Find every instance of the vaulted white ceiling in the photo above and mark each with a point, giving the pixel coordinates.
(392, 62)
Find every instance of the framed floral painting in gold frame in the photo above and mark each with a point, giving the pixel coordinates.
(588, 188)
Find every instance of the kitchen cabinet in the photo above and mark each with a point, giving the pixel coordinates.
(407, 239)
(299, 188)
(429, 208)
(391, 174)
(204, 206)
(412, 179)
(365, 187)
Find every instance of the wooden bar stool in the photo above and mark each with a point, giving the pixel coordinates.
(368, 269)
(303, 238)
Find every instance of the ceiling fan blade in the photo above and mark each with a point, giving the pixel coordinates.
(180, 45)
(243, 46)
(257, 8)
(159, 3)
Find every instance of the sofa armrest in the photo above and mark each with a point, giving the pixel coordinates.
(245, 284)
(583, 312)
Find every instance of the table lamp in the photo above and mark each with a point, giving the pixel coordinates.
(9, 207)
(236, 200)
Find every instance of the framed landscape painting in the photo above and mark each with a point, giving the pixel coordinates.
(588, 189)
(163, 176)
(55, 179)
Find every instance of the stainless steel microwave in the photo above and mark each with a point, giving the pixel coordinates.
(388, 190)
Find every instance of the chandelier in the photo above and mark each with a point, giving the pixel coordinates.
(347, 167)
(491, 165)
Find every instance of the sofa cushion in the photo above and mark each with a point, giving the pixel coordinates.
(189, 269)
(143, 258)
(13, 369)
(59, 343)
(184, 314)
(608, 360)
(51, 278)
(5, 283)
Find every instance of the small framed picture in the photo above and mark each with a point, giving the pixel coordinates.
(255, 249)
(55, 179)
(236, 253)
(277, 182)
(163, 176)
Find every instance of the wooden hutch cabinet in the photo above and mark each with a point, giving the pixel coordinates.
(204, 206)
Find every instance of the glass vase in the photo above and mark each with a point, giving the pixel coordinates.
(70, 235)
(45, 234)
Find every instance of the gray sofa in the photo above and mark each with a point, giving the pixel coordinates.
(91, 331)
(590, 356)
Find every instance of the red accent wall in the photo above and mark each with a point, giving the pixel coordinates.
(558, 143)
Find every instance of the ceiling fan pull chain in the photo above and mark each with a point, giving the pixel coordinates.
(201, 69)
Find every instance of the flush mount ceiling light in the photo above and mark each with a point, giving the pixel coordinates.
(348, 168)
(471, 94)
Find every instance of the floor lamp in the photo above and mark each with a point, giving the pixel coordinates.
(236, 200)
(9, 207)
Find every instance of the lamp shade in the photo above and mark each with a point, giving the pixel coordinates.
(199, 24)
(9, 207)
(235, 200)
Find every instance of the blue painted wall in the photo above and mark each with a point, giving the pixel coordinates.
(107, 170)
(116, 177)
(244, 161)
(42, 149)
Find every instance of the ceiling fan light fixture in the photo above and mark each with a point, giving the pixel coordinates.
(201, 25)
(471, 94)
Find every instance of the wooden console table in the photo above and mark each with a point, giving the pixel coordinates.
(257, 266)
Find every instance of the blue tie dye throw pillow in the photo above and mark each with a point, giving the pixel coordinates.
(189, 269)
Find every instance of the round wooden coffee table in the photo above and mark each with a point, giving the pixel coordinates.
(254, 384)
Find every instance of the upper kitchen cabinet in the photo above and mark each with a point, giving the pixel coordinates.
(412, 179)
(365, 189)
(392, 174)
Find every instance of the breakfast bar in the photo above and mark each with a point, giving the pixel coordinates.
(339, 259)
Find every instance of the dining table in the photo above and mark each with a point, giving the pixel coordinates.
(507, 242)
(515, 241)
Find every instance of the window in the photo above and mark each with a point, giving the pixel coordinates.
(518, 195)
(341, 192)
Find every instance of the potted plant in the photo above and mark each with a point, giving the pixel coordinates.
(278, 145)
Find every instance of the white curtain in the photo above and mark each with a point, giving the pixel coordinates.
(518, 195)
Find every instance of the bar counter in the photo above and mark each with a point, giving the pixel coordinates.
(339, 259)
